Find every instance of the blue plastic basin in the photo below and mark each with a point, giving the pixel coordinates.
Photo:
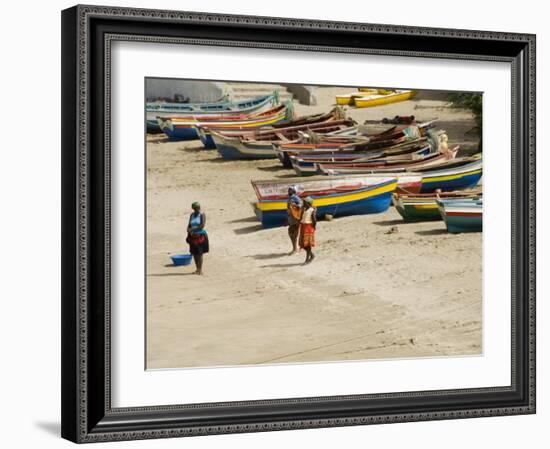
(181, 259)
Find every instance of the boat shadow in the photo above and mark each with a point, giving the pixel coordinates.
(272, 168)
(194, 149)
(429, 232)
(248, 229)
(287, 175)
(244, 220)
(389, 222)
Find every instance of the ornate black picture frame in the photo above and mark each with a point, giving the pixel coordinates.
(87, 34)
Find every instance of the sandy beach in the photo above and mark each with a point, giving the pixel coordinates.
(378, 288)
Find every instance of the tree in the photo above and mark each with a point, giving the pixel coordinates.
(472, 102)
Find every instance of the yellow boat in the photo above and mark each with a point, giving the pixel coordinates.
(380, 99)
(374, 90)
(348, 99)
(370, 90)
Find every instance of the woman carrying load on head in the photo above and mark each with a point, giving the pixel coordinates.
(308, 223)
(294, 212)
(197, 236)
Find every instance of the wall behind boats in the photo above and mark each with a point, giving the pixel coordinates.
(193, 91)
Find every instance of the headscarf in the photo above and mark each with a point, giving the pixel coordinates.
(308, 200)
(195, 205)
(294, 198)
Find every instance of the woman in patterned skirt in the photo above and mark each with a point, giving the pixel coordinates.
(197, 236)
(308, 223)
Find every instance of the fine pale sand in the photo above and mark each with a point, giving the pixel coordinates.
(378, 288)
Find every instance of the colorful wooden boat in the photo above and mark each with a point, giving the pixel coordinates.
(368, 200)
(348, 99)
(318, 185)
(462, 177)
(354, 144)
(393, 140)
(381, 166)
(186, 128)
(307, 164)
(262, 148)
(383, 99)
(462, 215)
(169, 110)
(336, 115)
(424, 207)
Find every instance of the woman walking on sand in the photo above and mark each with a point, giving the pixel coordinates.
(294, 211)
(197, 236)
(308, 223)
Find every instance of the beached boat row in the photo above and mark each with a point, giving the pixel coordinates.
(348, 169)
(202, 110)
(372, 193)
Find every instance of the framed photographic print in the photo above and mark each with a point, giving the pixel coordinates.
(276, 224)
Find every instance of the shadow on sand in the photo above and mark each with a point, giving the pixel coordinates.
(248, 229)
(193, 149)
(268, 256)
(388, 222)
(172, 273)
(432, 232)
(158, 275)
(283, 265)
(272, 168)
(244, 220)
(289, 175)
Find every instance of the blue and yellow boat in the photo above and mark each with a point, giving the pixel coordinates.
(457, 178)
(368, 200)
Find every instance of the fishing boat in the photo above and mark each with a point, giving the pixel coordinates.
(316, 185)
(462, 215)
(221, 107)
(331, 145)
(261, 147)
(462, 177)
(335, 115)
(339, 202)
(307, 164)
(424, 207)
(392, 141)
(186, 128)
(382, 165)
(383, 99)
(349, 99)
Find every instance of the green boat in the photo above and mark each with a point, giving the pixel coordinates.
(424, 207)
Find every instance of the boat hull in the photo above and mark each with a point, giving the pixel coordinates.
(228, 107)
(366, 102)
(189, 132)
(364, 201)
(187, 128)
(418, 212)
(153, 127)
(242, 151)
(462, 216)
(448, 182)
